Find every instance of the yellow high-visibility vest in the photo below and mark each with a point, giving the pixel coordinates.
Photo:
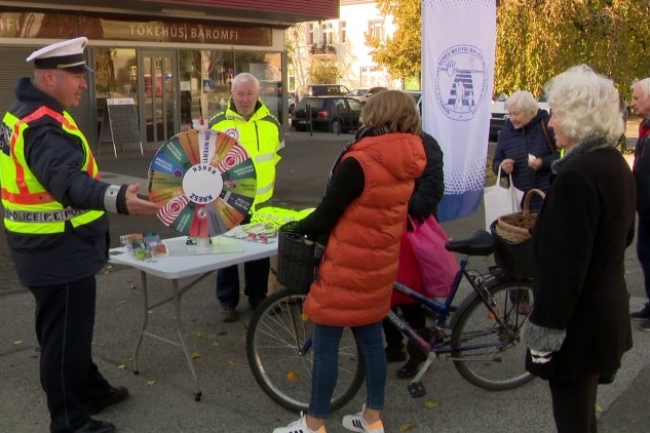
(261, 136)
(29, 207)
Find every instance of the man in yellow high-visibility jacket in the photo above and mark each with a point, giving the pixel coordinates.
(249, 121)
(57, 230)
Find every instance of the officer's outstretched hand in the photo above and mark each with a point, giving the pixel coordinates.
(136, 205)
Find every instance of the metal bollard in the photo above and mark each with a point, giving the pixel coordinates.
(338, 119)
(311, 127)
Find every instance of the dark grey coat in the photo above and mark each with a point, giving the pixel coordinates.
(581, 307)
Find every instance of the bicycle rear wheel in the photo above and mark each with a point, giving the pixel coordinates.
(278, 347)
(488, 354)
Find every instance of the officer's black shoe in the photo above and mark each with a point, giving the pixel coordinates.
(96, 426)
(114, 396)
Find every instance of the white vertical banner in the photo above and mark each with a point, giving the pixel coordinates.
(458, 45)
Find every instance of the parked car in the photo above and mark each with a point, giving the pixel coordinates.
(326, 90)
(328, 113)
(415, 94)
(367, 94)
(357, 93)
(499, 114)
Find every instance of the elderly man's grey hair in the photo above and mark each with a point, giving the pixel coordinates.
(586, 105)
(245, 77)
(523, 101)
(643, 84)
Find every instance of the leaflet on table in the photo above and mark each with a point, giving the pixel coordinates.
(143, 246)
(257, 232)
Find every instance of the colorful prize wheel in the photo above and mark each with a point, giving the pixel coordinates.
(205, 181)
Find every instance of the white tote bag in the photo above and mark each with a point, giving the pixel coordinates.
(500, 201)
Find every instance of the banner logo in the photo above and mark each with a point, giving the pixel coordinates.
(460, 84)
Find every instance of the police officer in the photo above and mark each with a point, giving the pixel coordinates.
(249, 121)
(57, 230)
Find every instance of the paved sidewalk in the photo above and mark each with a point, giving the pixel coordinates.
(162, 395)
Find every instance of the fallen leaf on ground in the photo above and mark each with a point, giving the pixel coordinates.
(17, 342)
(195, 355)
(121, 367)
(406, 427)
(151, 382)
(231, 363)
(430, 404)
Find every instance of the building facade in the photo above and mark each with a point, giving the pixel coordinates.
(342, 42)
(175, 58)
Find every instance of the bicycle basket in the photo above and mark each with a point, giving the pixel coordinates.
(296, 262)
(515, 259)
(515, 227)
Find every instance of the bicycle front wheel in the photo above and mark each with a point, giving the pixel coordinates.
(278, 347)
(487, 353)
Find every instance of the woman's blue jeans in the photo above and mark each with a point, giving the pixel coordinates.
(326, 341)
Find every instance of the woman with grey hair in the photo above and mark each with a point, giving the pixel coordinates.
(579, 327)
(525, 147)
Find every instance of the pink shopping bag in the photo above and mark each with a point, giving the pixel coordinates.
(437, 265)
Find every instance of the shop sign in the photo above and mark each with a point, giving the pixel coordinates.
(59, 26)
(37, 25)
(174, 31)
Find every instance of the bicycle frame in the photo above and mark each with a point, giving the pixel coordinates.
(478, 282)
(443, 309)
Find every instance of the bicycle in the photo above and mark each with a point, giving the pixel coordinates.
(481, 338)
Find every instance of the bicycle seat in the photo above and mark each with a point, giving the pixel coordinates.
(479, 243)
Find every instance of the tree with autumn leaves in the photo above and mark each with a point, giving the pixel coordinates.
(537, 39)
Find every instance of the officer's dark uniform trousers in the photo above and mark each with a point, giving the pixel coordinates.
(65, 317)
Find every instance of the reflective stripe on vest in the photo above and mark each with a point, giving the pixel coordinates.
(45, 216)
(29, 208)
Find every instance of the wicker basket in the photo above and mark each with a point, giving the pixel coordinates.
(515, 259)
(296, 262)
(513, 245)
(515, 227)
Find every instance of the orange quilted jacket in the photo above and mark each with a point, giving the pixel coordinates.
(359, 264)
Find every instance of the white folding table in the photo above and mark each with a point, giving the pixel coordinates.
(186, 261)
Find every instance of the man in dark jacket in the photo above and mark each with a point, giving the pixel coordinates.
(641, 105)
(57, 229)
(427, 193)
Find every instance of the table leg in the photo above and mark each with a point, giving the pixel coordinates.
(181, 339)
(176, 299)
(145, 322)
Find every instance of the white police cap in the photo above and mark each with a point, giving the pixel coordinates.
(68, 55)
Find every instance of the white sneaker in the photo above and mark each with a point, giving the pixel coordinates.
(300, 426)
(358, 424)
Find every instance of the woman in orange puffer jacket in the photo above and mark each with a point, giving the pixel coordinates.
(361, 220)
